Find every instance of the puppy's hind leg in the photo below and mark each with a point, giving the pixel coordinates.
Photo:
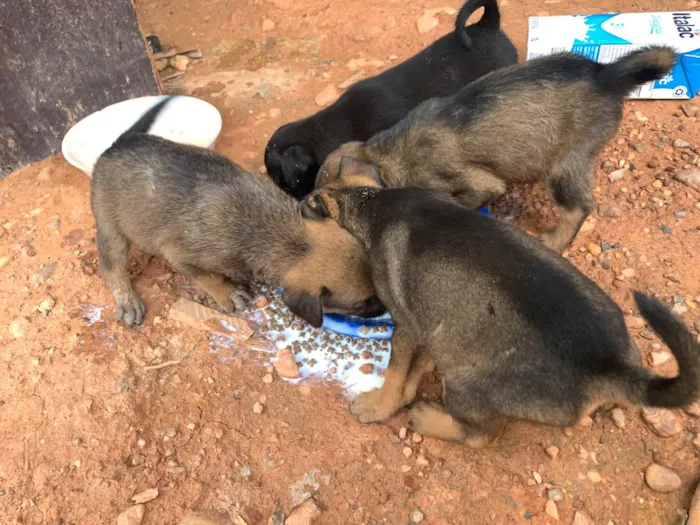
(382, 403)
(113, 248)
(570, 188)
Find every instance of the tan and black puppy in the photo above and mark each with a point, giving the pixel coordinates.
(546, 120)
(516, 332)
(220, 225)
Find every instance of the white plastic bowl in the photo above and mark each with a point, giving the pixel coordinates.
(186, 120)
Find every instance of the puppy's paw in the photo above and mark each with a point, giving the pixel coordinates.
(130, 308)
(433, 420)
(241, 297)
(372, 407)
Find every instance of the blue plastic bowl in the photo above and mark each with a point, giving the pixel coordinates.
(353, 326)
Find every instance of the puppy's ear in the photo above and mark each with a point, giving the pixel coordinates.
(314, 207)
(351, 167)
(307, 306)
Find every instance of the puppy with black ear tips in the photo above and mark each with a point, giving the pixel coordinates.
(296, 150)
(221, 226)
(516, 331)
(546, 120)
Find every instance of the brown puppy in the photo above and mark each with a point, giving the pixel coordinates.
(545, 120)
(516, 331)
(217, 223)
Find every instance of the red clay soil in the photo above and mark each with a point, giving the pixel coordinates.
(85, 423)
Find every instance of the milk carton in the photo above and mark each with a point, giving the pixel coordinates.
(606, 37)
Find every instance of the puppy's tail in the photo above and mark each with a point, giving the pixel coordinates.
(491, 19)
(635, 69)
(143, 124)
(668, 392)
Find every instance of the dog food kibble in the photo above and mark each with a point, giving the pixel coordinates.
(367, 368)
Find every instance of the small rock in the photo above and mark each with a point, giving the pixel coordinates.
(689, 109)
(145, 496)
(180, 62)
(417, 439)
(327, 95)
(679, 309)
(681, 214)
(634, 322)
(44, 273)
(28, 250)
(594, 476)
(537, 477)
(568, 431)
(132, 516)
(46, 306)
(689, 177)
(285, 365)
(629, 273)
(682, 144)
(304, 514)
(268, 24)
(666, 229)
(367, 368)
(171, 432)
(659, 358)
(617, 175)
(19, 327)
(693, 410)
(403, 432)
(641, 118)
(555, 495)
(594, 249)
(137, 459)
(653, 163)
(141, 443)
(662, 479)
(422, 461)
(4, 260)
(416, 516)
(267, 379)
(552, 451)
(550, 509)
(672, 277)
(258, 408)
(618, 417)
(609, 211)
(580, 518)
(663, 422)
(407, 452)
(586, 421)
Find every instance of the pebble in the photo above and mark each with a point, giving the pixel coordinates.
(693, 410)
(555, 495)
(550, 509)
(537, 477)
(141, 443)
(689, 177)
(681, 214)
(403, 432)
(145, 496)
(662, 479)
(582, 519)
(28, 250)
(327, 95)
(662, 421)
(422, 461)
(132, 515)
(586, 421)
(640, 116)
(659, 358)
(46, 306)
(594, 476)
(367, 368)
(682, 144)
(568, 431)
(4, 260)
(417, 439)
(552, 451)
(19, 327)
(653, 163)
(137, 459)
(407, 452)
(171, 432)
(268, 24)
(634, 322)
(609, 211)
(618, 417)
(416, 516)
(267, 379)
(679, 309)
(180, 62)
(258, 408)
(629, 273)
(285, 365)
(44, 273)
(617, 175)
(666, 229)
(594, 249)
(304, 514)
(689, 109)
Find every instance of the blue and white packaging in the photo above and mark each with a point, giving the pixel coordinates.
(606, 37)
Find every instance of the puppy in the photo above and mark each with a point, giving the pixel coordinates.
(545, 120)
(220, 225)
(515, 330)
(296, 150)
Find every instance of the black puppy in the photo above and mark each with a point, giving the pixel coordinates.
(220, 225)
(515, 330)
(296, 150)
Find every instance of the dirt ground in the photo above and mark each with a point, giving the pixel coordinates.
(86, 421)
